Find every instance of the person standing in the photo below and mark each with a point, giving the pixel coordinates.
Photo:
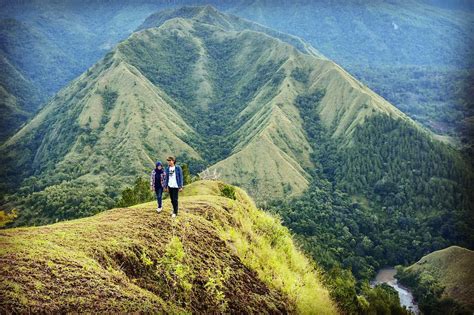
(157, 183)
(173, 182)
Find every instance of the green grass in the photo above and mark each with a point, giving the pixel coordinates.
(451, 268)
(219, 254)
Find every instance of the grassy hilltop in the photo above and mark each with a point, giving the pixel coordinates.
(220, 254)
(442, 277)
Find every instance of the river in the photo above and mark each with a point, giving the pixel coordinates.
(387, 275)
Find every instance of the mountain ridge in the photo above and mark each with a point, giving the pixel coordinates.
(220, 254)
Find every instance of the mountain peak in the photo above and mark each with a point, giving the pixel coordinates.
(228, 22)
(201, 13)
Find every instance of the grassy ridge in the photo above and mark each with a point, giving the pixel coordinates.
(219, 255)
(451, 269)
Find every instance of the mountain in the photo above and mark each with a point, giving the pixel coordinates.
(105, 127)
(360, 184)
(416, 54)
(420, 65)
(221, 95)
(209, 15)
(16, 92)
(445, 274)
(44, 45)
(25, 60)
(219, 255)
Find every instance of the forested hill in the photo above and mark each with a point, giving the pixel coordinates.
(415, 53)
(220, 255)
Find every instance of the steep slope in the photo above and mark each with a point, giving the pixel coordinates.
(451, 269)
(20, 94)
(416, 54)
(45, 44)
(103, 128)
(219, 255)
(15, 93)
(271, 148)
(159, 55)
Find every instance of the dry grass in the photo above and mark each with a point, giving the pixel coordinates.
(134, 259)
(452, 267)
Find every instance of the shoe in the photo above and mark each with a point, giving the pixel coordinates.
(159, 210)
(173, 215)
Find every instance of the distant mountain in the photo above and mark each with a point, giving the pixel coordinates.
(28, 60)
(445, 273)
(218, 256)
(44, 45)
(416, 54)
(420, 65)
(16, 93)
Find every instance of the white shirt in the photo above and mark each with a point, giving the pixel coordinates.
(172, 180)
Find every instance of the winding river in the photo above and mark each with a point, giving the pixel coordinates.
(387, 275)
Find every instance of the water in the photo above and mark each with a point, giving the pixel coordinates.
(387, 275)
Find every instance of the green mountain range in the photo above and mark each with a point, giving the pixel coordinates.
(220, 255)
(44, 45)
(194, 89)
(227, 95)
(375, 41)
(416, 54)
(22, 78)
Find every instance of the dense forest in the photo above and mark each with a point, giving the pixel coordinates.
(388, 197)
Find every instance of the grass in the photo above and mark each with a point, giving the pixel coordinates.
(219, 255)
(452, 267)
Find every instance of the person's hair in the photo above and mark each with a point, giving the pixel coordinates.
(171, 158)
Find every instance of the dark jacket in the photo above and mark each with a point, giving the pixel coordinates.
(179, 176)
(152, 180)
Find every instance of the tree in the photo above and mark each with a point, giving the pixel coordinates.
(186, 174)
(139, 193)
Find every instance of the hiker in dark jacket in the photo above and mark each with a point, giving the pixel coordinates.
(173, 182)
(157, 183)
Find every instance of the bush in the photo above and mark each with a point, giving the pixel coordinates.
(228, 191)
(139, 193)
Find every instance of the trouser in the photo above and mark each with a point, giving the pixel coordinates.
(159, 196)
(174, 199)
